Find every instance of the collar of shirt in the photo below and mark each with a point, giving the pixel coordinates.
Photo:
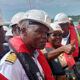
(64, 40)
(36, 54)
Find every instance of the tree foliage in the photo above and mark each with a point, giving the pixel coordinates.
(75, 18)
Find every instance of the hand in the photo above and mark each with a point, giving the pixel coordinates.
(73, 46)
(70, 48)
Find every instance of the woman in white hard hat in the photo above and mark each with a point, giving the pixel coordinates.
(54, 52)
(69, 34)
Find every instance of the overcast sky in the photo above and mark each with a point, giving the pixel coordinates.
(52, 7)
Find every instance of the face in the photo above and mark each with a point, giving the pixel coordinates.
(65, 28)
(71, 22)
(15, 30)
(55, 38)
(35, 36)
(79, 21)
(2, 34)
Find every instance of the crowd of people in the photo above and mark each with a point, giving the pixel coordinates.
(39, 49)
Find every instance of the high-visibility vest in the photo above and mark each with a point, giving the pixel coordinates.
(78, 38)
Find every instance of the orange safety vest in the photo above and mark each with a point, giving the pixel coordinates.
(78, 26)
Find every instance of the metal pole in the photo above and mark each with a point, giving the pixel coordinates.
(29, 4)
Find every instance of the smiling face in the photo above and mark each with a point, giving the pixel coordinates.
(55, 38)
(34, 36)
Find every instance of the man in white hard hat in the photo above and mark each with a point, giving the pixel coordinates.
(69, 34)
(71, 21)
(71, 24)
(30, 63)
(14, 23)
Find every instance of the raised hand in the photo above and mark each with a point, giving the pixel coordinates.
(70, 48)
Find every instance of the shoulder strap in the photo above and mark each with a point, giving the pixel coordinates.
(55, 65)
(29, 65)
(48, 49)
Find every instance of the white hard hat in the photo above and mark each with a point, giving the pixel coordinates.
(16, 18)
(56, 27)
(9, 32)
(38, 16)
(5, 28)
(61, 18)
(70, 19)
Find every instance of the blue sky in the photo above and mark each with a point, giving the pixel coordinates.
(52, 7)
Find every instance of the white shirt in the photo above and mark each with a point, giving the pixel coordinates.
(15, 71)
(64, 40)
